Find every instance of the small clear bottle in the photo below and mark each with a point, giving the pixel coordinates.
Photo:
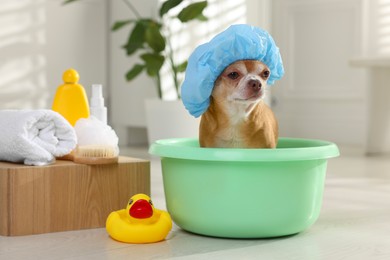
(97, 107)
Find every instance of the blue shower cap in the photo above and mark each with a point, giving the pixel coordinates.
(208, 61)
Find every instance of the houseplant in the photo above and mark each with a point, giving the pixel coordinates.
(150, 39)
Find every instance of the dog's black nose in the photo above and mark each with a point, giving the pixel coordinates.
(254, 84)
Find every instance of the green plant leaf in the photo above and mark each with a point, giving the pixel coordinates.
(134, 72)
(136, 39)
(119, 24)
(182, 67)
(168, 5)
(154, 38)
(68, 1)
(202, 18)
(192, 11)
(153, 63)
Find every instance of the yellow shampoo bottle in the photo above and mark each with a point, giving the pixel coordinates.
(71, 100)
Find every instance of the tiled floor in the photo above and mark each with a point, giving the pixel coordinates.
(354, 224)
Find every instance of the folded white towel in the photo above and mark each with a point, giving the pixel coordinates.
(34, 137)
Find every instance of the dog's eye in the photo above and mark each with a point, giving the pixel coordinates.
(265, 74)
(233, 75)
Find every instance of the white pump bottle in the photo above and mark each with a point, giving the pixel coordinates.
(96, 107)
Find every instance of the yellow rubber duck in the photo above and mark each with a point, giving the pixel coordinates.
(139, 223)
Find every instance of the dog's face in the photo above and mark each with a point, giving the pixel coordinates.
(243, 81)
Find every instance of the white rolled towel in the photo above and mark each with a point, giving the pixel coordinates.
(34, 137)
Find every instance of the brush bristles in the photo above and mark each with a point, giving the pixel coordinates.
(95, 151)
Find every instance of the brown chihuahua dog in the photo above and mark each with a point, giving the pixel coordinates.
(237, 116)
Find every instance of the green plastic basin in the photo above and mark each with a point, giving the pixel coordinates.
(244, 193)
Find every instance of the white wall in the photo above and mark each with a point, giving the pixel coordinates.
(321, 95)
(259, 13)
(39, 39)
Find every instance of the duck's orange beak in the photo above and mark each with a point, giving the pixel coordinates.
(141, 209)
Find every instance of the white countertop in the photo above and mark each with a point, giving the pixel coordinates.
(354, 224)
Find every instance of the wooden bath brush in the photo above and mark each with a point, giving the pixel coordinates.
(92, 154)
